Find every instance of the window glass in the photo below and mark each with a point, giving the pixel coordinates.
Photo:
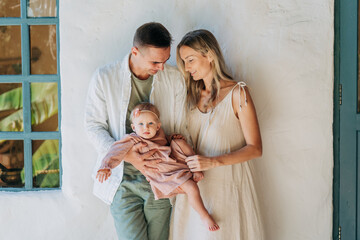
(41, 8)
(44, 107)
(10, 50)
(10, 8)
(11, 163)
(45, 162)
(11, 103)
(43, 49)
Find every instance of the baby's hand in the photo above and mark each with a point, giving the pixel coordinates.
(197, 176)
(177, 136)
(103, 174)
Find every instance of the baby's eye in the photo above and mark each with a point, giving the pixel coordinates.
(151, 123)
(141, 124)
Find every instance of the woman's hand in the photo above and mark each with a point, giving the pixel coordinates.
(198, 163)
(177, 136)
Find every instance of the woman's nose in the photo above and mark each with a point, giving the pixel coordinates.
(187, 68)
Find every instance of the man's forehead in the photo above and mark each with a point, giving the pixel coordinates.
(156, 54)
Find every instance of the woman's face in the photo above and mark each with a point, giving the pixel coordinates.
(196, 64)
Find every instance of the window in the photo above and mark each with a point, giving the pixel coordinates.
(30, 136)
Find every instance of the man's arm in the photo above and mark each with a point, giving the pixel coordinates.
(96, 116)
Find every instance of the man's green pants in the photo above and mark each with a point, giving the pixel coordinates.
(136, 213)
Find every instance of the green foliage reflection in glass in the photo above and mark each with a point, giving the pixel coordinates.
(11, 103)
(45, 164)
(44, 107)
(44, 110)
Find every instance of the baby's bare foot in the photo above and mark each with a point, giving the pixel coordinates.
(210, 223)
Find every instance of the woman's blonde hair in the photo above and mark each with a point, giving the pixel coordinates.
(205, 43)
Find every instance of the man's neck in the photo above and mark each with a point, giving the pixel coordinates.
(136, 70)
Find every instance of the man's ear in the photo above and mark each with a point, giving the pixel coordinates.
(133, 127)
(134, 51)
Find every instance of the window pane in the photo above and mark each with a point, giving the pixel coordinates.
(42, 8)
(10, 8)
(44, 107)
(10, 50)
(11, 107)
(11, 163)
(43, 49)
(45, 161)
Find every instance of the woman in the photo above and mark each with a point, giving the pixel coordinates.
(225, 132)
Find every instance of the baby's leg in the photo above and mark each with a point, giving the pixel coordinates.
(193, 193)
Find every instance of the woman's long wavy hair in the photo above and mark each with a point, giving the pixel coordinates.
(205, 43)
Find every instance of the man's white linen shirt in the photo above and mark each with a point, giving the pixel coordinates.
(106, 107)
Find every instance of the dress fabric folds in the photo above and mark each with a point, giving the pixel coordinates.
(228, 192)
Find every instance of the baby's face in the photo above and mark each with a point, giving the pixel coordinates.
(146, 125)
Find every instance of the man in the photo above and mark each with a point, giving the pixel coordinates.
(114, 91)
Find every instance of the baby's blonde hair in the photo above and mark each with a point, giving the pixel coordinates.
(145, 106)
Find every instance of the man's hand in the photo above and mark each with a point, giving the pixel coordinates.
(139, 161)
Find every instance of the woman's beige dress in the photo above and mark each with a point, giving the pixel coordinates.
(228, 192)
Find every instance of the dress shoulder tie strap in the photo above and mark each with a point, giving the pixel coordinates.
(242, 87)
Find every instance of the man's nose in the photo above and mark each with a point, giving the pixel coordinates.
(160, 66)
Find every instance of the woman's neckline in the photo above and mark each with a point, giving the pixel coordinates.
(226, 95)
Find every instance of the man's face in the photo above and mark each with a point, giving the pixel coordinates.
(149, 60)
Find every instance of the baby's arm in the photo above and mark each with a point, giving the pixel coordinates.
(114, 157)
(103, 174)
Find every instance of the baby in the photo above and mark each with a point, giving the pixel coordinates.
(173, 175)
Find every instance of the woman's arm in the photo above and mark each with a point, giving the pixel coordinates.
(251, 131)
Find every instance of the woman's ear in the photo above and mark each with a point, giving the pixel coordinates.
(210, 56)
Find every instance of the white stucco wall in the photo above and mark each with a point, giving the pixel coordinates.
(283, 49)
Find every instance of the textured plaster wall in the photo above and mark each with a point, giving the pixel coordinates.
(283, 49)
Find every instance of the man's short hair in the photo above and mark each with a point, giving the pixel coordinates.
(152, 34)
